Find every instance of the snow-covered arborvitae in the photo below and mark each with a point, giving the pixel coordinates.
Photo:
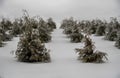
(6, 24)
(69, 25)
(111, 30)
(30, 48)
(76, 36)
(16, 28)
(117, 43)
(88, 53)
(1, 41)
(111, 33)
(51, 24)
(100, 30)
(4, 35)
(44, 31)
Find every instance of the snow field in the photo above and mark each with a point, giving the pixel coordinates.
(64, 62)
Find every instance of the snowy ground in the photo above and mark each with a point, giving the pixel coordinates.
(64, 61)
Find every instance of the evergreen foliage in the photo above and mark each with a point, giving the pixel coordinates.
(6, 24)
(16, 28)
(100, 30)
(88, 53)
(70, 27)
(30, 48)
(44, 31)
(117, 43)
(4, 35)
(112, 29)
(1, 44)
(76, 36)
(51, 24)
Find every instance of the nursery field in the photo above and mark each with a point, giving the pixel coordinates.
(60, 39)
(64, 63)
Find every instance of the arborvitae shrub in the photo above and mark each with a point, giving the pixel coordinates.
(63, 24)
(88, 53)
(117, 43)
(1, 44)
(44, 31)
(92, 29)
(111, 35)
(68, 25)
(6, 24)
(67, 30)
(51, 24)
(30, 48)
(76, 36)
(16, 28)
(5, 36)
(100, 30)
(44, 35)
(111, 30)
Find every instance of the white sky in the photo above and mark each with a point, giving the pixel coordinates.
(60, 9)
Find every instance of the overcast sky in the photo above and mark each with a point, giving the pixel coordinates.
(59, 9)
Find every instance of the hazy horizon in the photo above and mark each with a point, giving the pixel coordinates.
(58, 10)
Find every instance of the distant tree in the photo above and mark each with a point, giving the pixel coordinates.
(16, 28)
(117, 43)
(51, 24)
(100, 30)
(1, 41)
(76, 36)
(4, 35)
(111, 30)
(6, 24)
(111, 33)
(44, 31)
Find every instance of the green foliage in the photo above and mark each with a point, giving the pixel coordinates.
(87, 53)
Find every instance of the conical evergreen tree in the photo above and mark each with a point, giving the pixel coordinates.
(76, 36)
(1, 41)
(117, 43)
(111, 34)
(6, 24)
(16, 28)
(30, 48)
(4, 36)
(69, 25)
(100, 30)
(44, 31)
(51, 24)
(111, 30)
